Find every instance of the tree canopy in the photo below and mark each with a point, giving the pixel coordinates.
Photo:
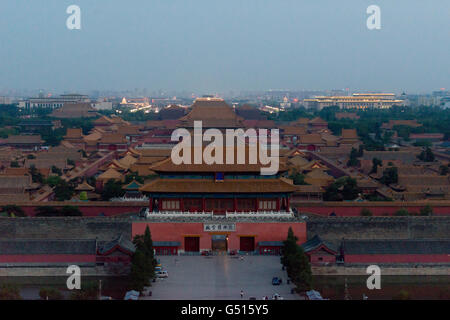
(344, 188)
(296, 262)
(143, 262)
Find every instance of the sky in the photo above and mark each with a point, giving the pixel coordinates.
(215, 46)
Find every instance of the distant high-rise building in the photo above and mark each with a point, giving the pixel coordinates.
(355, 101)
(5, 100)
(53, 102)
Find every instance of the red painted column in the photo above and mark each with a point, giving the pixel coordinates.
(203, 204)
(151, 205)
(235, 208)
(288, 207)
(257, 204)
(278, 204)
(182, 204)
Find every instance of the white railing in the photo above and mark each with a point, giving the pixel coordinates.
(175, 214)
(125, 199)
(188, 214)
(260, 214)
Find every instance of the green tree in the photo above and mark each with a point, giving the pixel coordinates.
(71, 211)
(360, 151)
(13, 211)
(422, 143)
(329, 113)
(332, 193)
(353, 161)
(9, 292)
(366, 212)
(390, 176)
(138, 275)
(52, 181)
(426, 211)
(298, 178)
(83, 153)
(387, 137)
(344, 188)
(112, 189)
(296, 263)
(56, 170)
(299, 270)
(426, 155)
(143, 262)
(375, 164)
(14, 164)
(289, 247)
(88, 291)
(149, 251)
(350, 189)
(402, 212)
(47, 211)
(443, 170)
(36, 175)
(63, 191)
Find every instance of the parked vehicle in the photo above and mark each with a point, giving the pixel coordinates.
(207, 253)
(276, 296)
(276, 281)
(162, 274)
(132, 295)
(146, 292)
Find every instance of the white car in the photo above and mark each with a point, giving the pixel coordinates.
(162, 274)
(276, 296)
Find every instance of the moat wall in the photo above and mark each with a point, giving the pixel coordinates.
(377, 208)
(333, 229)
(329, 228)
(104, 228)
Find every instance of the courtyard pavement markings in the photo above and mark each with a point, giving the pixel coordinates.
(220, 278)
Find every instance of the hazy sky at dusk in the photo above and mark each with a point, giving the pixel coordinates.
(213, 46)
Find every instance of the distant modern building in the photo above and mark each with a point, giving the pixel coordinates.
(5, 100)
(102, 105)
(285, 104)
(53, 102)
(355, 101)
(427, 100)
(135, 102)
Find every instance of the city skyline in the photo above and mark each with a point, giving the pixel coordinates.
(218, 47)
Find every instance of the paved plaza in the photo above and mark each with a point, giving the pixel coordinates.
(220, 278)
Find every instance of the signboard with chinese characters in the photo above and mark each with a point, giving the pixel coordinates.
(214, 227)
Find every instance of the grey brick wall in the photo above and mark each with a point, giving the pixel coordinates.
(103, 228)
(334, 229)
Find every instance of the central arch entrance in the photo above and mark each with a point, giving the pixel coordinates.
(219, 242)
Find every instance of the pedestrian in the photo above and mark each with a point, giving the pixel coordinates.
(242, 294)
